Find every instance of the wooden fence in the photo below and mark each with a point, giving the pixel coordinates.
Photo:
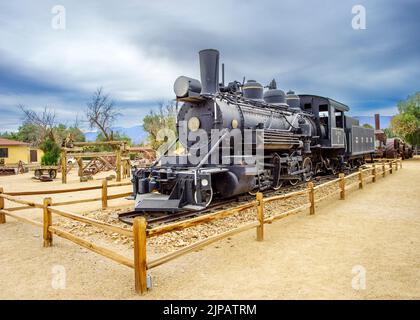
(140, 233)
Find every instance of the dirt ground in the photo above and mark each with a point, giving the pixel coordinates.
(375, 231)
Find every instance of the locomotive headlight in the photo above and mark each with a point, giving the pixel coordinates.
(193, 123)
(204, 182)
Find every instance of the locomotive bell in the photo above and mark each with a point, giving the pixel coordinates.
(209, 71)
(253, 90)
(183, 86)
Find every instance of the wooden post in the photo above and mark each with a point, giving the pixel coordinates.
(396, 165)
(63, 166)
(104, 193)
(342, 186)
(260, 216)
(118, 164)
(140, 265)
(383, 169)
(80, 165)
(390, 167)
(360, 178)
(400, 163)
(123, 168)
(2, 215)
(374, 173)
(48, 236)
(128, 169)
(311, 197)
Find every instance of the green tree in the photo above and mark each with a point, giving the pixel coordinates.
(404, 124)
(367, 125)
(165, 118)
(411, 105)
(38, 127)
(51, 153)
(9, 135)
(115, 136)
(389, 133)
(407, 123)
(62, 131)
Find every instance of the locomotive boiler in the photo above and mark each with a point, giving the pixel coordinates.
(241, 138)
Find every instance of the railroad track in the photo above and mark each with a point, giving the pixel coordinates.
(158, 218)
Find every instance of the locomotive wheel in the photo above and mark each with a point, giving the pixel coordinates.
(206, 197)
(254, 191)
(52, 174)
(277, 182)
(294, 182)
(307, 165)
(37, 173)
(294, 167)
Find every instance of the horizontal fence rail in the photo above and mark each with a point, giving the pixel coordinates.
(140, 233)
(45, 192)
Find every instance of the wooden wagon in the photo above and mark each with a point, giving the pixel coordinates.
(50, 171)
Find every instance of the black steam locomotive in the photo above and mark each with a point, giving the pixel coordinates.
(241, 138)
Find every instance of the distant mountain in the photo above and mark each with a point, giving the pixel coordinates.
(136, 134)
(385, 121)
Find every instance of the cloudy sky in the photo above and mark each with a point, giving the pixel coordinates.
(136, 49)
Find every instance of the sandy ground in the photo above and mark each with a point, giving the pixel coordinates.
(310, 257)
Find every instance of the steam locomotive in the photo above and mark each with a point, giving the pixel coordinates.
(390, 147)
(241, 138)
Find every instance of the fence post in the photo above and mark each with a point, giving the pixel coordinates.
(400, 163)
(374, 173)
(311, 197)
(383, 169)
(260, 216)
(48, 237)
(104, 193)
(140, 265)
(63, 167)
(360, 178)
(118, 164)
(396, 165)
(390, 167)
(342, 186)
(2, 215)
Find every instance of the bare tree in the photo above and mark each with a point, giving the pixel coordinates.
(43, 121)
(101, 113)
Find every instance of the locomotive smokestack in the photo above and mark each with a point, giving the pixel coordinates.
(377, 122)
(209, 70)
